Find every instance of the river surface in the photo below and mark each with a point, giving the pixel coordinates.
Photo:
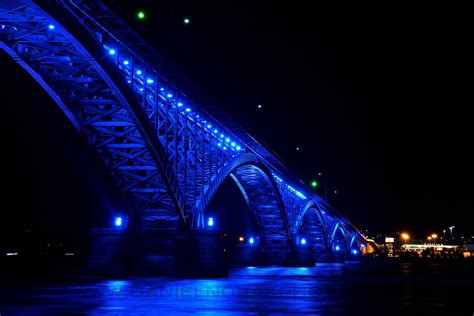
(375, 288)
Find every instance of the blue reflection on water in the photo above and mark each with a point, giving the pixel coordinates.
(328, 289)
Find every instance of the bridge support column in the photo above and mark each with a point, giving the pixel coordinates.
(201, 253)
(118, 252)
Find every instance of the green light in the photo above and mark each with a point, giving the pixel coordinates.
(314, 183)
(141, 15)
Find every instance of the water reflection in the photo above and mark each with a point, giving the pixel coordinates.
(333, 289)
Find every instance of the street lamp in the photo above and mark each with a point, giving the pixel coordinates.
(451, 231)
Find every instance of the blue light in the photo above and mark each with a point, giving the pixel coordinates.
(337, 248)
(354, 252)
(210, 222)
(112, 51)
(303, 241)
(118, 221)
(188, 110)
(238, 148)
(227, 140)
(219, 144)
(51, 27)
(149, 80)
(222, 135)
(139, 72)
(169, 95)
(180, 104)
(162, 89)
(215, 131)
(251, 240)
(209, 126)
(225, 148)
(232, 144)
(126, 62)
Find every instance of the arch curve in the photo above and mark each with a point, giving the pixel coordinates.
(311, 225)
(339, 238)
(253, 178)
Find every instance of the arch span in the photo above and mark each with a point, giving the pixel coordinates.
(339, 239)
(259, 190)
(311, 226)
(96, 101)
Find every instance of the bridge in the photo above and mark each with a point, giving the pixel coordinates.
(167, 148)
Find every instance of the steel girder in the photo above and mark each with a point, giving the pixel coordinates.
(163, 149)
(91, 100)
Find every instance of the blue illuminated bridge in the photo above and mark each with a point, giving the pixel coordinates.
(168, 151)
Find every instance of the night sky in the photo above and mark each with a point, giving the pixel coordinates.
(374, 95)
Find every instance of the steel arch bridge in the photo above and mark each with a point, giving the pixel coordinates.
(167, 151)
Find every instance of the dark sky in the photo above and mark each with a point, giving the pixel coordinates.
(374, 94)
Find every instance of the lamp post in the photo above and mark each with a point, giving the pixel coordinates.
(451, 232)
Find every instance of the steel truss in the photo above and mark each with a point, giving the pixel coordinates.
(168, 153)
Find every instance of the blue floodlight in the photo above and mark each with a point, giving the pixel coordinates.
(337, 248)
(169, 95)
(251, 240)
(138, 72)
(188, 110)
(354, 251)
(225, 148)
(227, 140)
(209, 126)
(238, 148)
(126, 62)
(149, 80)
(210, 222)
(180, 104)
(219, 144)
(112, 51)
(162, 89)
(51, 27)
(222, 135)
(303, 241)
(118, 221)
(215, 131)
(232, 144)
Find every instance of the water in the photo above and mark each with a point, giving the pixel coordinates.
(329, 289)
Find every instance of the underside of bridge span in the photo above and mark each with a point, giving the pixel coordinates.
(166, 154)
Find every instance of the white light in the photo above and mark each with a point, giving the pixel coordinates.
(118, 221)
(188, 110)
(11, 254)
(238, 148)
(232, 144)
(251, 240)
(303, 241)
(169, 95)
(354, 252)
(222, 135)
(112, 51)
(259, 106)
(225, 148)
(210, 222)
(215, 131)
(162, 89)
(138, 72)
(149, 80)
(209, 126)
(337, 248)
(126, 62)
(51, 27)
(219, 144)
(227, 140)
(180, 104)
